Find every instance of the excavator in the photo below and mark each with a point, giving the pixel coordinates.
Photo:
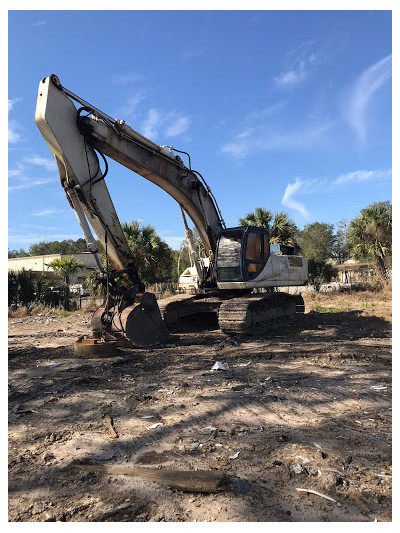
(238, 281)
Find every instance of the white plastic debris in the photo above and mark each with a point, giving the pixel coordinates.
(268, 378)
(220, 366)
(234, 456)
(297, 468)
(303, 459)
(310, 491)
(317, 445)
(154, 426)
(148, 416)
(378, 387)
(218, 445)
(208, 428)
(245, 364)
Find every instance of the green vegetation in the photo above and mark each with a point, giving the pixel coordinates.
(280, 227)
(65, 268)
(321, 309)
(151, 255)
(16, 253)
(25, 288)
(68, 246)
(21, 287)
(370, 235)
(63, 312)
(317, 241)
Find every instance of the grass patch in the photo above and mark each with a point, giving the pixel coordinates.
(321, 309)
(62, 312)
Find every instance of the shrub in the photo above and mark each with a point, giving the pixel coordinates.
(320, 272)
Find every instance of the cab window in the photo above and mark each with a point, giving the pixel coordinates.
(253, 248)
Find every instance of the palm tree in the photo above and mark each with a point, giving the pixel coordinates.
(259, 217)
(151, 255)
(65, 267)
(283, 230)
(370, 234)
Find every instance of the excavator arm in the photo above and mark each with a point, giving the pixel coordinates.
(73, 136)
(73, 139)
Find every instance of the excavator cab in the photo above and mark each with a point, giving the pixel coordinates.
(242, 253)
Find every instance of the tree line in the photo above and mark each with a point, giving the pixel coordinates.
(367, 237)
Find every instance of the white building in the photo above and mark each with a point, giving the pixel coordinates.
(40, 264)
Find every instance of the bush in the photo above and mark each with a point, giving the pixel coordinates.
(21, 287)
(40, 309)
(25, 289)
(20, 312)
(320, 272)
(376, 284)
(90, 306)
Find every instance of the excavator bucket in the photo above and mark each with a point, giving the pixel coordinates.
(141, 323)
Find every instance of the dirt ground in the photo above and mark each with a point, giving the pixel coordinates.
(308, 406)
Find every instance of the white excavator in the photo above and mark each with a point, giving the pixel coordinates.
(237, 280)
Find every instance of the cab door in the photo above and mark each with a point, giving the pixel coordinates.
(255, 251)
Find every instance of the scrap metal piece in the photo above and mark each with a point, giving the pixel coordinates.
(95, 348)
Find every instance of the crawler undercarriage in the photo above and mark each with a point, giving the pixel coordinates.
(249, 314)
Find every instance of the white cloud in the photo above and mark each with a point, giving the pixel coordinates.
(169, 124)
(39, 23)
(362, 176)
(178, 126)
(27, 183)
(152, 124)
(16, 171)
(289, 201)
(323, 186)
(13, 134)
(45, 212)
(47, 163)
(297, 72)
(258, 140)
(11, 103)
(366, 85)
(260, 114)
(301, 139)
(130, 105)
(237, 149)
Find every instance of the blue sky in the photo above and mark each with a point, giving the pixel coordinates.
(288, 110)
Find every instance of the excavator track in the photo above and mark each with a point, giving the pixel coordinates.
(172, 308)
(257, 313)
